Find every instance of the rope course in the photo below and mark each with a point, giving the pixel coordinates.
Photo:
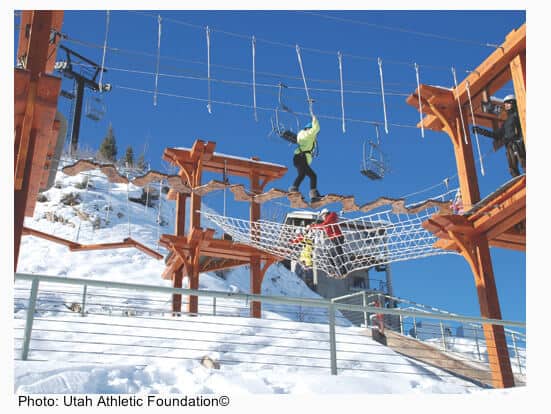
(375, 239)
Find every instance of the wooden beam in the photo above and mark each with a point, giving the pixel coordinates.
(518, 73)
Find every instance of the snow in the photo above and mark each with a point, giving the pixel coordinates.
(178, 370)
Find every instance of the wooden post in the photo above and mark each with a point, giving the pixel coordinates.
(256, 274)
(179, 230)
(477, 254)
(193, 274)
(518, 75)
(35, 55)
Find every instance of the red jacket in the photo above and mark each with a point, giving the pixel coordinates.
(330, 226)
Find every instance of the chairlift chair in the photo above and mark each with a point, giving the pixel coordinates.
(95, 108)
(374, 166)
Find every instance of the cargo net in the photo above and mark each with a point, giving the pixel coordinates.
(365, 242)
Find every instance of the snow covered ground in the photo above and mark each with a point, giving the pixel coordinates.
(177, 370)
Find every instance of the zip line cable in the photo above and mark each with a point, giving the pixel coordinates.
(104, 51)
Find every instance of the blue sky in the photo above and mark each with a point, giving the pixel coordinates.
(416, 163)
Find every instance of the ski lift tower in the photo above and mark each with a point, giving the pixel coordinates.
(82, 81)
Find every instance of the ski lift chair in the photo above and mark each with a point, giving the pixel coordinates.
(95, 109)
(373, 166)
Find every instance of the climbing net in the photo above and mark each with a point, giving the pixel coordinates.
(376, 239)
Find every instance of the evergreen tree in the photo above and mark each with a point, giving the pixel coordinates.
(108, 147)
(140, 164)
(129, 157)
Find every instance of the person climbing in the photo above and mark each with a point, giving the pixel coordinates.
(306, 141)
(510, 135)
(304, 238)
(333, 232)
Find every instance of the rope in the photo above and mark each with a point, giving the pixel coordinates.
(209, 104)
(304, 80)
(253, 43)
(107, 16)
(475, 131)
(459, 105)
(419, 97)
(339, 55)
(379, 238)
(158, 59)
(380, 62)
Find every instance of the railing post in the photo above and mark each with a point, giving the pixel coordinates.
(415, 327)
(82, 312)
(516, 352)
(443, 336)
(364, 303)
(214, 305)
(476, 341)
(401, 324)
(30, 318)
(332, 339)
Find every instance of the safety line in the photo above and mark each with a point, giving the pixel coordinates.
(474, 125)
(459, 105)
(419, 98)
(380, 62)
(100, 83)
(159, 19)
(339, 55)
(297, 47)
(209, 104)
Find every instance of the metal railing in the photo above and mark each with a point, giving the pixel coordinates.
(52, 324)
(447, 335)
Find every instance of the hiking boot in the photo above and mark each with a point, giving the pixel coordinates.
(314, 196)
(293, 189)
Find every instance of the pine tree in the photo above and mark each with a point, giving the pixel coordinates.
(140, 164)
(129, 157)
(108, 147)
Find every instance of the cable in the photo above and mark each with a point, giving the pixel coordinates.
(260, 108)
(402, 30)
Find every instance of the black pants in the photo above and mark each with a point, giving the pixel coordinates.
(515, 151)
(303, 170)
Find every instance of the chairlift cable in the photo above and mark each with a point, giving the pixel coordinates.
(419, 98)
(459, 105)
(107, 17)
(159, 19)
(475, 129)
(380, 62)
(339, 55)
(209, 104)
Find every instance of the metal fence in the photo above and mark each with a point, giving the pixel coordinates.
(81, 320)
(453, 336)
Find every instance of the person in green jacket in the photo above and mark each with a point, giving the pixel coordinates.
(306, 141)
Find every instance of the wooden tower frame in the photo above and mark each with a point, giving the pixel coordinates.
(36, 93)
(499, 219)
(198, 251)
